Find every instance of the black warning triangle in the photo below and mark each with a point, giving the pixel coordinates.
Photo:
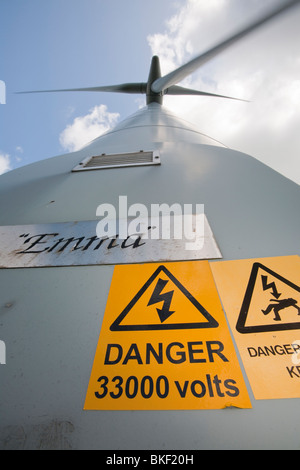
(209, 323)
(277, 303)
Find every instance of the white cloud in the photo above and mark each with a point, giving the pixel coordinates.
(86, 128)
(4, 163)
(19, 151)
(263, 68)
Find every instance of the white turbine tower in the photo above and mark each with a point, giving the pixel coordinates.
(56, 274)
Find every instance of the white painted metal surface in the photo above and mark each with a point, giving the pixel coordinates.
(51, 317)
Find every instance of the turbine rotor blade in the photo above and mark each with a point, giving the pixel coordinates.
(179, 90)
(182, 72)
(122, 88)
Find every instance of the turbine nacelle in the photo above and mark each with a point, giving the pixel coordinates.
(154, 74)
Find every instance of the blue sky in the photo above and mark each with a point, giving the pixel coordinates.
(81, 43)
(67, 43)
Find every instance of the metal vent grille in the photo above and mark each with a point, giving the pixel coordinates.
(119, 160)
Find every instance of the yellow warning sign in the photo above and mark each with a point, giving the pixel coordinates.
(261, 298)
(164, 343)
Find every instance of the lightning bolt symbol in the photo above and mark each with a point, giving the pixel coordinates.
(271, 285)
(157, 296)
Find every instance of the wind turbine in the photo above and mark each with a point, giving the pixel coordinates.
(157, 86)
(52, 314)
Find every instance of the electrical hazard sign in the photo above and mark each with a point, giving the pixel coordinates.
(261, 298)
(271, 303)
(165, 343)
(163, 284)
